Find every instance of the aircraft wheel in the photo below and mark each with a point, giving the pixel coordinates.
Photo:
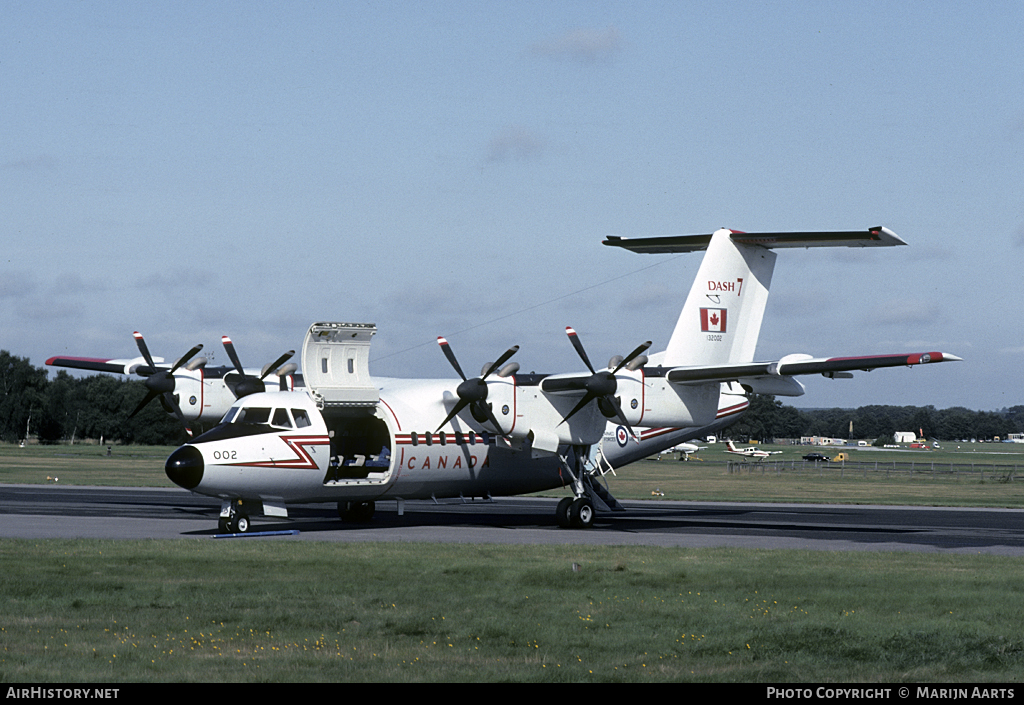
(241, 524)
(581, 513)
(223, 526)
(562, 513)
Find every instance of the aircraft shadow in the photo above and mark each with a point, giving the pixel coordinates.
(486, 515)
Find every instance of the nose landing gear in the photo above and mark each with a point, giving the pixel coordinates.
(233, 518)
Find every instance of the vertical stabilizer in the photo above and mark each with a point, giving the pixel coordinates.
(721, 318)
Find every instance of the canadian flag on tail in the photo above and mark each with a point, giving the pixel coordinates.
(712, 320)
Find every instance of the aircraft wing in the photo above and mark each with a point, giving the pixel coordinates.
(800, 365)
(116, 366)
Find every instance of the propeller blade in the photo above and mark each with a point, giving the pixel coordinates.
(622, 417)
(277, 363)
(500, 361)
(144, 349)
(459, 406)
(161, 382)
(602, 385)
(150, 396)
(246, 384)
(587, 398)
(447, 350)
(489, 413)
(473, 392)
(186, 357)
(575, 340)
(230, 347)
(629, 358)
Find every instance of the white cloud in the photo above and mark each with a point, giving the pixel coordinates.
(514, 142)
(585, 46)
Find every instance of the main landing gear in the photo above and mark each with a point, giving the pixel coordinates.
(575, 513)
(579, 511)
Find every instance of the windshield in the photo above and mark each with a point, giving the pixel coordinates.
(253, 414)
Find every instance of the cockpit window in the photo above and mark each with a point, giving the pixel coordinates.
(254, 414)
(301, 418)
(230, 415)
(281, 418)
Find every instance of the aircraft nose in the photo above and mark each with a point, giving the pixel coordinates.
(185, 467)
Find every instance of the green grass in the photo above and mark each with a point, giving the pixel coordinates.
(286, 610)
(85, 464)
(129, 611)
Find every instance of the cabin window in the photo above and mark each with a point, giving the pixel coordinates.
(444, 438)
(472, 439)
(281, 418)
(301, 418)
(351, 366)
(459, 439)
(430, 439)
(254, 414)
(415, 438)
(323, 365)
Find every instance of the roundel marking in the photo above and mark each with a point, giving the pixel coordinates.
(192, 400)
(504, 410)
(621, 436)
(634, 404)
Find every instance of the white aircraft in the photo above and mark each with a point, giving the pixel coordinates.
(352, 439)
(750, 451)
(685, 450)
(189, 389)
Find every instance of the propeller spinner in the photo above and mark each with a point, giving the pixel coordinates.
(246, 384)
(602, 385)
(160, 383)
(473, 392)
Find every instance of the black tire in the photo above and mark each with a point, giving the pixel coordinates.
(581, 513)
(223, 526)
(241, 524)
(562, 513)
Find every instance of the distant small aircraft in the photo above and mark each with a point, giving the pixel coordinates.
(749, 451)
(684, 450)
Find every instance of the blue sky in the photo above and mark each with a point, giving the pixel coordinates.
(193, 169)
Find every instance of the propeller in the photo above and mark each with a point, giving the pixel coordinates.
(473, 392)
(602, 385)
(248, 384)
(160, 383)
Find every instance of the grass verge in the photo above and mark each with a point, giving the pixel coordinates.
(137, 611)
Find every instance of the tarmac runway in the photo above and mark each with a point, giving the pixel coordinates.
(48, 511)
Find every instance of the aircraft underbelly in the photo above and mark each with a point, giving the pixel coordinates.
(495, 473)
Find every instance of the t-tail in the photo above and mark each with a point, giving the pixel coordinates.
(721, 318)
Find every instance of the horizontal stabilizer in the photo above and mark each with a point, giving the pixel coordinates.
(799, 365)
(872, 237)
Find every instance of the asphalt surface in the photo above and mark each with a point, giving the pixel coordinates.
(49, 511)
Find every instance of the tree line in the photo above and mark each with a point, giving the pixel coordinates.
(768, 419)
(96, 407)
(68, 408)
